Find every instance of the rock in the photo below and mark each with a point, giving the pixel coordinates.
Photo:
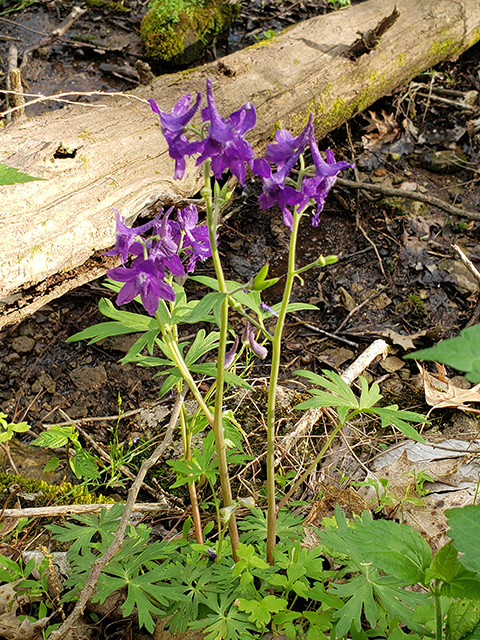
(447, 161)
(44, 381)
(460, 276)
(23, 344)
(391, 364)
(336, 357)
(89, 378)
(77, 411)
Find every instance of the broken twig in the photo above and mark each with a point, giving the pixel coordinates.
(412, 195)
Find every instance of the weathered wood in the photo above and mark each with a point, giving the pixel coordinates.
(122, 161)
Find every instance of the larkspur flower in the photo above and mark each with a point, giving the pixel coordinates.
(225, 144)
(318, 187)
(173, 125)
(249, 336)
(268, 309)
(196, 240)
(164, 249)
(275, 191)
(127, 238)
(230, 355)
(285, 147)
(143, 279)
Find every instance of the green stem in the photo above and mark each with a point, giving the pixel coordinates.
(212, 220)
(276, 353)
(187, 451)
(438, 611)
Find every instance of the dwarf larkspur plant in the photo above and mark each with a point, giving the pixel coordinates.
(270, 569)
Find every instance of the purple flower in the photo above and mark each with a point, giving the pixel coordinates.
(195, 239)
(279, 153)
(127, 239)
(164, 249)
(249, 336)
(230, 355)
(275, 191)
(212, 554)
(143, 279)
(225, 144)
(326, 173)
(268, 309)
(173, 125)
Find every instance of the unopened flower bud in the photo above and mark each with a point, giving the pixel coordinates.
(230, 355)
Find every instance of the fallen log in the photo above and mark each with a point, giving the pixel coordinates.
(118, 158)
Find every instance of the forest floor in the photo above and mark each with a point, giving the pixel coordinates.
(397, 277)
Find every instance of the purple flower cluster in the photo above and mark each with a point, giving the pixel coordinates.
(224, 143)
(154, 254)
(285, 153)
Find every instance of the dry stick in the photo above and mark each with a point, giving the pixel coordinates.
(89, 589)
(58, 97)
(468, 263)
(325, 333)
(412, 195)
(452, 103)
(380, 263)
(76, 509)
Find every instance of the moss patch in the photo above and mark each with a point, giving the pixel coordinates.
(179, 35)
(43, 494)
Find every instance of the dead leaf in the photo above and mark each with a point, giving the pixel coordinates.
(387, 129)
(441, 393)
(406, 342)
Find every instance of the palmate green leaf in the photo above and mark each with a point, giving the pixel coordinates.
(295, 306)
(462, 353)
(225, 621)
(83, 465)
(363, 592)
(11, 175)
(200, 311)
(369, 396)
(393, 415)
(396, 549)
(201, 345)
(210, 369)
(474, 634)
(261, 610)
(333, 383)
(100, 331)
(145, 340)
(457, 581)
(103, 525)
(465, 532)
(463, 616)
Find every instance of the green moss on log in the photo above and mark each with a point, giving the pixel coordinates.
(177, 31)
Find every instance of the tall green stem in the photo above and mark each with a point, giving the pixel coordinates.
(212, 221)
(276, 353)
(438, 611)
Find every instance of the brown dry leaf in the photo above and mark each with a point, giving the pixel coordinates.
(440, 393)
(387, 127)
(406, 342)
(349, 499)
